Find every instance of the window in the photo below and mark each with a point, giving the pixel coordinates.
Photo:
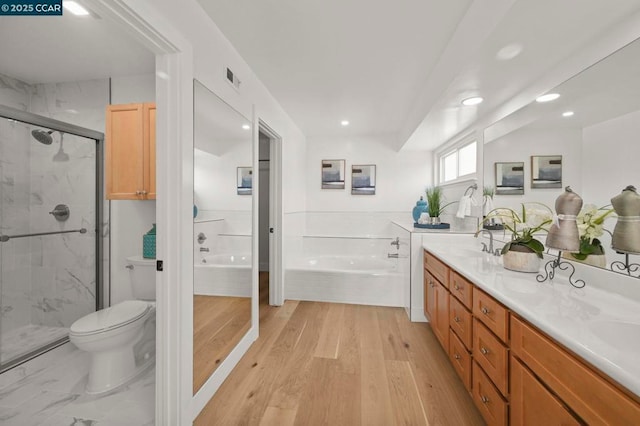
(458, 163)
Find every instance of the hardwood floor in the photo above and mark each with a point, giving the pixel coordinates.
(335, 364)
(218, 325)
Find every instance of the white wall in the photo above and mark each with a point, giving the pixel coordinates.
(130, 219)
(610, 154)
(401, 177)
(520, 145)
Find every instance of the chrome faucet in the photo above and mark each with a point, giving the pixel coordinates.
(396, 243)
(484, 246)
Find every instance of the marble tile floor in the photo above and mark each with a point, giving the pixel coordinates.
(28, 338)
(52, 394)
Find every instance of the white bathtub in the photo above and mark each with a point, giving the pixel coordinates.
(365, 280)
(223, 275)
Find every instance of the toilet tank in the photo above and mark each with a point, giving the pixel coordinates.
(142, 276)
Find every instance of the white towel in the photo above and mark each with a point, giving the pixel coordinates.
(464, 206)
(488, 205)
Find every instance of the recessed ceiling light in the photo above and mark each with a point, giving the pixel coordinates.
(510, 51)
(548, 97)
(567, 113)
(75, 8)
(472, 101)
(246, 126)
(345, 122)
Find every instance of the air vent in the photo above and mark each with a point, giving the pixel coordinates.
(232, 78)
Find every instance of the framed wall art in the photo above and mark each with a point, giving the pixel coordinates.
(333, 174)
(546, 171)
(510, 178)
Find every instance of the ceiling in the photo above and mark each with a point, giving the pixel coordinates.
(393, 69)
(400, 69)
(606, 90)
(53, 49)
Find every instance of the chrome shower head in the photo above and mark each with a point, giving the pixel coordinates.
(42, 136)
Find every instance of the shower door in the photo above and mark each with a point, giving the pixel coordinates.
(50, 194)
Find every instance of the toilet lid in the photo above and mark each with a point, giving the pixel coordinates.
(115, 316)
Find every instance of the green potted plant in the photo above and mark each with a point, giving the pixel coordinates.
(524, 251)
(591, 226)
(434, 201)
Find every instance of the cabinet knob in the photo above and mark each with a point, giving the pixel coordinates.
(143, 192)
(456, 286)
(484, 350)
(456, 319)
(485, 310)
(431, 283)
(138, 192)
(456, 356)
(484, 399)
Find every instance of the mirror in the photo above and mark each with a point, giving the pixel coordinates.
(222, 232)
(363, 179)
(591, 131)
(332, 174)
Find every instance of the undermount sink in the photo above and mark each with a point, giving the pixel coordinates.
(621, 335)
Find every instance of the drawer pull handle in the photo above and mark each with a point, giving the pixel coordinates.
(485, 310)
(456, 319)
(456, 356)
(484, 350)
(484, 399)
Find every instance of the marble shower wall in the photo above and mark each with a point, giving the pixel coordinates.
(48, 280)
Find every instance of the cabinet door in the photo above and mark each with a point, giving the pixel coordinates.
(531, 403)
(430, 285)
(150, 150)
(124, 152)
(442, 316)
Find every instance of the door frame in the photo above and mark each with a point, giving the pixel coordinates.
(276, 271)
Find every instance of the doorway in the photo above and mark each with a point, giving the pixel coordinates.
(270, 216)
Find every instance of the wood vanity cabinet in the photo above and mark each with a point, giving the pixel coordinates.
(437, 297)
(515, 373)
(130, 152)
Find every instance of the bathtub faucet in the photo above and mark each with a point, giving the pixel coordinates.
(396, 243)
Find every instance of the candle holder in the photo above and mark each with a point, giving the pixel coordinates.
(631, 269)
(557, 264)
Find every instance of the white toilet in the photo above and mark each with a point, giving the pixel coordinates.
(120, 339)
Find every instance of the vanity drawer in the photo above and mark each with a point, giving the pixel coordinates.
(532, 403)
(460, 321)
(491, 354)
(438, 269)
(461, 289)
(491, 313)
(487, 398)
(590, 396)
(461, 359)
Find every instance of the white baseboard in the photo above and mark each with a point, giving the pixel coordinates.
(417, 315)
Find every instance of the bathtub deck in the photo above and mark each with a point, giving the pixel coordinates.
(337, 364)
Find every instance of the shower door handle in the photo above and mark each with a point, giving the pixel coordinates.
(271, 230)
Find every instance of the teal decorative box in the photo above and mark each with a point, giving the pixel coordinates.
(149, 244)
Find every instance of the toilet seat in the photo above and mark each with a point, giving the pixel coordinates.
(110, 318)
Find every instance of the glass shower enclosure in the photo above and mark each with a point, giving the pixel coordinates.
(50, 239)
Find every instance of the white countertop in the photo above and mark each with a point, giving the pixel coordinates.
(600, 322)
